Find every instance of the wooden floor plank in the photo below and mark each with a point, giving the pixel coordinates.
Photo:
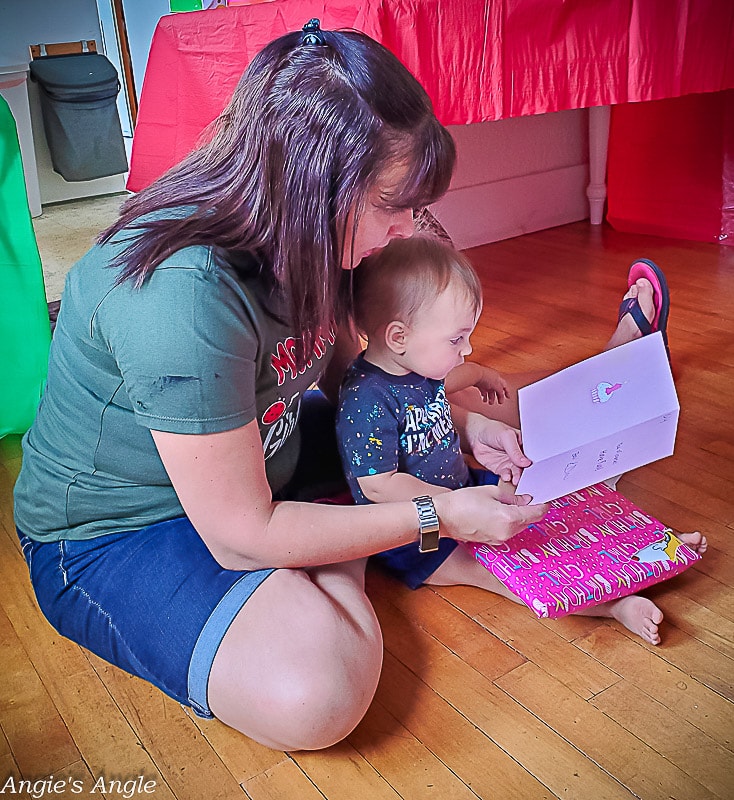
(344, 774)
(39, 740)
(670, 686)
(533, 745)
(243, 757)
(9, 467)
(468, 599)
(698, 621)
(284, 780)
(636, 764)
(706, 591)
(708, 667)
(518, 626)
(702, 456)
(82, 784)
(677, 740)
(5, 752)
(192, 769)
(692, 494)
(719, 564)
(405, 762)
(459, 632)
(459, 743)
(722, 448)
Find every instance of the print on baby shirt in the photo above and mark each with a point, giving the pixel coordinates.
(426, 427)
(397, 422)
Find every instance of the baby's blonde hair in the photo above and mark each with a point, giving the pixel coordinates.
(396, 282)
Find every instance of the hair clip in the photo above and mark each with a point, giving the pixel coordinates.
(312, 33)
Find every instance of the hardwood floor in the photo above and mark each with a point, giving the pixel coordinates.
(478, 699)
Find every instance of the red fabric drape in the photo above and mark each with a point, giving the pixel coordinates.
(478, 59)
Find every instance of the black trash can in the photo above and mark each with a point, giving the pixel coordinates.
(79, 107)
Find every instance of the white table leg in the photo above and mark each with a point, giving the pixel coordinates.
(598, 146)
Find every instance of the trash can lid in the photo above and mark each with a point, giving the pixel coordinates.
(75, 71)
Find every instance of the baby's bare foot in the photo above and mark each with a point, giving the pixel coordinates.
(639, 615)
(696, 541)
(627, 329)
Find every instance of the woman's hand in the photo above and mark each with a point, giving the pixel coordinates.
(486, 514)
(496, 446)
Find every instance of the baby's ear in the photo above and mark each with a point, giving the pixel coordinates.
(395, 335)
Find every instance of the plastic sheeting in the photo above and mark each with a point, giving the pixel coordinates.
(25, 332)
(478, 59)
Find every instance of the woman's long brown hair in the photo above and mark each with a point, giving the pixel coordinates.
(307, 133)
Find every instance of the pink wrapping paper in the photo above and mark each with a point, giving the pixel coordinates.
(593, 546)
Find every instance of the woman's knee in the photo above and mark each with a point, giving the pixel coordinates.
(298, 681)
(317, 707)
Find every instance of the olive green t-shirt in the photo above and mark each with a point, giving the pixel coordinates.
(199, 348)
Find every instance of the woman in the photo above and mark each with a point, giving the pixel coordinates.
(154, 504)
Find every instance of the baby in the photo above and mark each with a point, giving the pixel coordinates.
(417, 302)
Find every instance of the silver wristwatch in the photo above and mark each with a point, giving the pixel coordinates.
(427, 524)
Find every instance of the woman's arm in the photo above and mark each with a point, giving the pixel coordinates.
(221, 483)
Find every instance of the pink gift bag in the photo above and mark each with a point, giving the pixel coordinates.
(592, 546)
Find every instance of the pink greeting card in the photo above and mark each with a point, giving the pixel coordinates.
(592, 546)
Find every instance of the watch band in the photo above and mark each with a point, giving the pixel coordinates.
(427, 524)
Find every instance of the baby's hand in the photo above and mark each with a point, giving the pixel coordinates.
(492, 386)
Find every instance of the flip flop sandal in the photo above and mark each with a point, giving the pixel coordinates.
(632, 307)
(644, 268)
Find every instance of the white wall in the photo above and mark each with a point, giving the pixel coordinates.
(515, 176)
(141, 17)
(24, 22)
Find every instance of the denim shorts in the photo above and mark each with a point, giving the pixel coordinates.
(153, 602)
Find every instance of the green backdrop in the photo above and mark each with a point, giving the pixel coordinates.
(25, 333)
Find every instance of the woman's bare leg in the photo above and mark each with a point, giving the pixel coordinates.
(508, 411)
(299, 665)
(638, 614)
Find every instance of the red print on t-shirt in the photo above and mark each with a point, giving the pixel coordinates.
(283, 360)
(274, 413)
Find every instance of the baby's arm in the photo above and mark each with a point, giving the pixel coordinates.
(394, 486)
(492, 386)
